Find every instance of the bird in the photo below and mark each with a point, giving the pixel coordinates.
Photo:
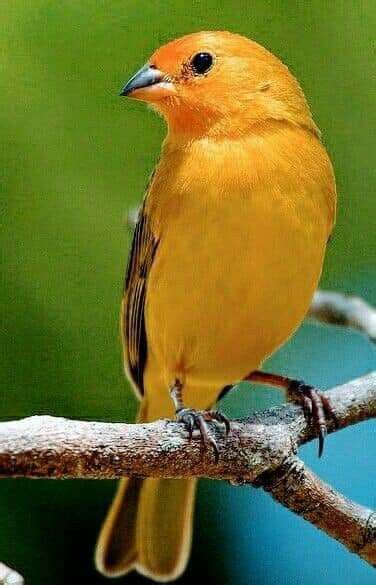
(227, 252)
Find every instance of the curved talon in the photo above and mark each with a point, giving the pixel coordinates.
(185, 416)
(190, 424)
(316, 406)
(328, 408)
(322, 435)
(218, 416)
(307, 407)
(208, 440)
(196, 419)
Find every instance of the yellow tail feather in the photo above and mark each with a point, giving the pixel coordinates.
(148, 528)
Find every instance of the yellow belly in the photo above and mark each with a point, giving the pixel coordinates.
(228, 288)
(233, 277)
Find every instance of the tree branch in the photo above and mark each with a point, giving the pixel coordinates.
(337, 309)
(260, 449)
(300, 490)
(46, 446)
(9, 576)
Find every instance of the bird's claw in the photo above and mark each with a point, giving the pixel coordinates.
(317, 407)
(218, 416)
(194, 419)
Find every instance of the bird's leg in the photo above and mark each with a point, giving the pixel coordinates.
(176, 393)
(197, 419)
(316, 405)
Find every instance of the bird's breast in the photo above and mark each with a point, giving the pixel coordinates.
(237, 263)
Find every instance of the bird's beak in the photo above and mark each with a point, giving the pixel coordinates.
(148, 84)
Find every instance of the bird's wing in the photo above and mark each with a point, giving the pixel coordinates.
(144, 246)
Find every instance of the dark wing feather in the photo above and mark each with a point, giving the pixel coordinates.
(144, 246)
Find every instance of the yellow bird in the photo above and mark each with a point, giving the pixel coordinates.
(226, 255)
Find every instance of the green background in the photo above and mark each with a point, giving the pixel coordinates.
(74, 157)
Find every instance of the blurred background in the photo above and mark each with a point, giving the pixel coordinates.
(74, 157)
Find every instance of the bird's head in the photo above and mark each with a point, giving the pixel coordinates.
(216, 84)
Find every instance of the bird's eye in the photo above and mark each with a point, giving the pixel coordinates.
(201, 63)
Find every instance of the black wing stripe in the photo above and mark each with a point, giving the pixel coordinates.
(144, 246)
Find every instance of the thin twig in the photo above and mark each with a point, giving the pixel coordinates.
(337, 309)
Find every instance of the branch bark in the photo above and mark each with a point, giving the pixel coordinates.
(300, 490)
(260, 449)
(46, 446)
(9, 576)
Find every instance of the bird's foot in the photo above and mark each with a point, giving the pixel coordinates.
(198, 419)
(317, 407)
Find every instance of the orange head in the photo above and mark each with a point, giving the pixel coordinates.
(218, 84)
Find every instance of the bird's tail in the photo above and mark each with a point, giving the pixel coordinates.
(148, 527)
